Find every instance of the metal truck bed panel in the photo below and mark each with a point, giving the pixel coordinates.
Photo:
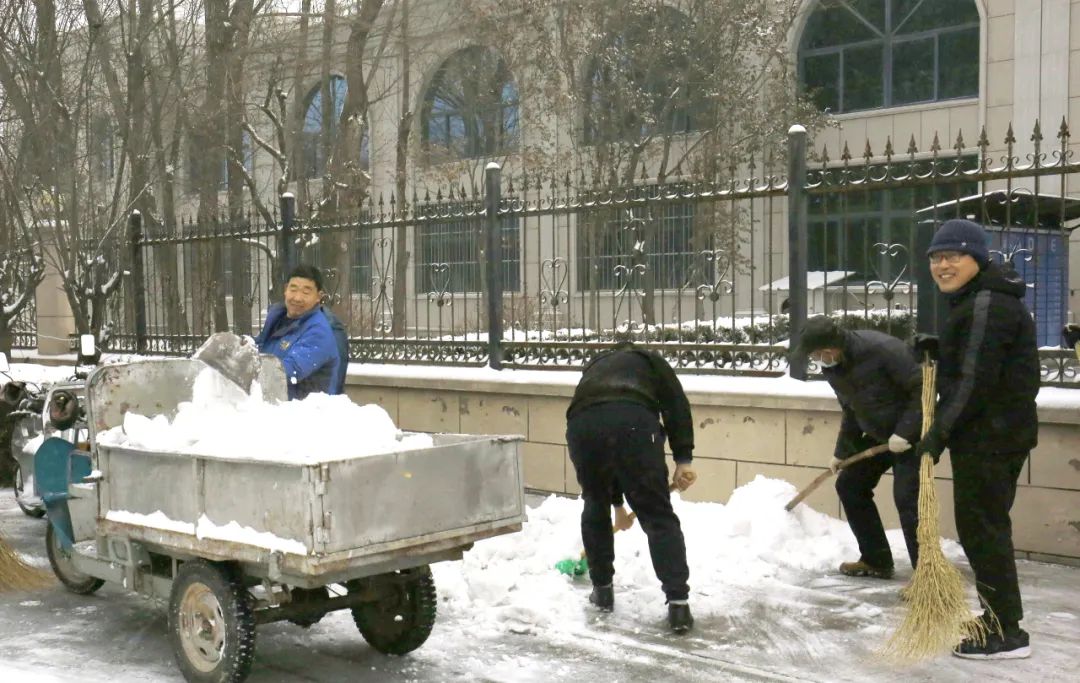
(460, 482)
(360, 506)
(309, 571)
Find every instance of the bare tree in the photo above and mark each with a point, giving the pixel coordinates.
(21, 265)
(649, 92)
(46, 71)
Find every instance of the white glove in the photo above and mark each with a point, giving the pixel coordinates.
(898, 444)
(834, 465)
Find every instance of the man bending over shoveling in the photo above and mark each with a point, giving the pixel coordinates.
(301, 334)
(616, 443)
(879, 386)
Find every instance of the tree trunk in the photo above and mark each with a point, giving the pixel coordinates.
(401, 259)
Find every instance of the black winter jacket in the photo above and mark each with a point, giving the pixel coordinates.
(879, 386)
(643, 377)
(988, 374)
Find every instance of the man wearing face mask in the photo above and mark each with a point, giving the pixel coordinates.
(879, 386)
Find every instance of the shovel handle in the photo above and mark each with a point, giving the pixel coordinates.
(845, 463)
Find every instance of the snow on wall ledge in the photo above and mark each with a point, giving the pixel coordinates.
(1055, 404)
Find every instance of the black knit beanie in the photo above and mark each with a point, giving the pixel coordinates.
(962, 236)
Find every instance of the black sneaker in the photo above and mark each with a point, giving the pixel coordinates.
(1013, 645)
(603, 597)
(679, 617)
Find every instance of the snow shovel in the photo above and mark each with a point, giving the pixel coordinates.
(579, 566)
(844, 464)
(235, 357)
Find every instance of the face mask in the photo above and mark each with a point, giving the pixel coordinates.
(828, 360)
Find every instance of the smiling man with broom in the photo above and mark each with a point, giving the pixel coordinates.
(988, 376)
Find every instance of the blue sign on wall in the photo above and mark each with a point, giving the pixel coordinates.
(1041, 259)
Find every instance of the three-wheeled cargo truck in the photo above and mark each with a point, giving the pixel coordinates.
(354, 533)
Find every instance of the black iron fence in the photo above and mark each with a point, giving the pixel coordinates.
(24, 327)
(19, 314)
(712, 272)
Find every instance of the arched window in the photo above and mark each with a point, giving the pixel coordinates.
(471, 108)
(319, 132)
(631, 93)
(866, 54)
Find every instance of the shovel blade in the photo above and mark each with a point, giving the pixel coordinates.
(235, 357)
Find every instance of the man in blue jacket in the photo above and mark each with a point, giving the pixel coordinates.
(299, 333)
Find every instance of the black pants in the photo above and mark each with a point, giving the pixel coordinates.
(855, 486)
(623, 443)
(984, 487)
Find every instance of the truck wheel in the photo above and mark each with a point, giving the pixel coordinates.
(402, 614)
(64, 568)
(211, 623)
(29, 509)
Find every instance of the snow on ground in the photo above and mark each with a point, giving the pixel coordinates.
(735, 551)
(36, 374)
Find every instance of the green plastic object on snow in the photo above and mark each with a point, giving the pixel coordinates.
(572, 567)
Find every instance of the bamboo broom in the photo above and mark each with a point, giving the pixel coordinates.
(938, 616)
(16, 575)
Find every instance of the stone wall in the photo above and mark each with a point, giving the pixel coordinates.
(740, 432)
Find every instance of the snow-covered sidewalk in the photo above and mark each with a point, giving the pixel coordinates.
(767, 603)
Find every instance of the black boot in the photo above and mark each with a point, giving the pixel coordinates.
(679, 617)
(1013, 644)
(603, 597)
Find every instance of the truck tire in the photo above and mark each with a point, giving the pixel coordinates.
(29, 509)
(211, 623)
(401, 616)
(62, 566)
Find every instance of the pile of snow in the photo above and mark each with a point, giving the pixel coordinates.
(735, 552)
(221, 420)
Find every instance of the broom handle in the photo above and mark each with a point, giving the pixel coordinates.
(845, 463)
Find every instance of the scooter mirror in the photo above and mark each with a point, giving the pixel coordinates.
(87, 345)
(4, 366)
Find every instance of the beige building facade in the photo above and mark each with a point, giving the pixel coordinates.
(1022, 58)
